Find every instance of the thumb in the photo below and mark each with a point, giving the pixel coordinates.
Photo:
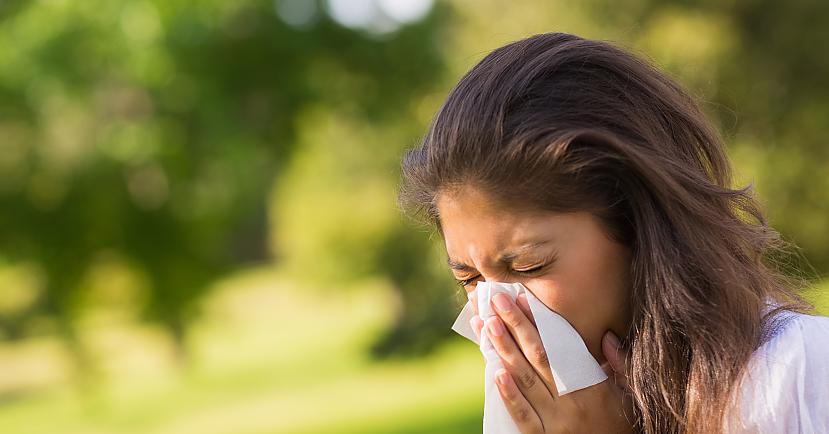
(616, 359)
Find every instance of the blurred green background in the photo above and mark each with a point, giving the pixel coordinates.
(198, 230)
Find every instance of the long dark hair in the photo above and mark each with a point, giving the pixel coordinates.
(561, 123)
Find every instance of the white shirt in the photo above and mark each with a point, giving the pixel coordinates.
(786, 385)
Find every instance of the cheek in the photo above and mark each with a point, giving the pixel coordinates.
(590, 292)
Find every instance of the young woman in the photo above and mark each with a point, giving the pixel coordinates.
(579, 170)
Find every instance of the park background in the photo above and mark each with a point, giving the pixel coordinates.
(198, 229)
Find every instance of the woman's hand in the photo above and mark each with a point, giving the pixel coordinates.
(527, 386)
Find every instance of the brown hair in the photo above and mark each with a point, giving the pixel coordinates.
(562, 123)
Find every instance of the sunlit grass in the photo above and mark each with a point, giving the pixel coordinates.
(268, 356)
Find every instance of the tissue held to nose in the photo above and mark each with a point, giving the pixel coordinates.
(572, 365)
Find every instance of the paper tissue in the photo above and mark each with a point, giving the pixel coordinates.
(572, 365)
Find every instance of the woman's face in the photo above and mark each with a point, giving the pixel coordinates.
(565, 259)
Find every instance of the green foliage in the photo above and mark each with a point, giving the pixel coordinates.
(155, 129)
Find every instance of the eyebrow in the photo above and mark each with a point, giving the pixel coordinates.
(504, 258)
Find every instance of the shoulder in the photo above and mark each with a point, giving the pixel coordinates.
(785, 387)
(800, 341)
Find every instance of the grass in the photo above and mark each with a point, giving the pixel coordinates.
(268, 356)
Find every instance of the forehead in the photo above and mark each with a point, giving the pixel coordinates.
(471, 220)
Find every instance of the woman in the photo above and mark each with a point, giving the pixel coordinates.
(582, 172)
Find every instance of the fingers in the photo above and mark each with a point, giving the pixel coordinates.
(525, 417)
(531, 384)
(477, 324)
(529, 346)
(522, 302)
(616, 358)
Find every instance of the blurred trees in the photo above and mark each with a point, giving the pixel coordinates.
(151, 132)
(759, 77)
(184, 139)
(776, 81)
(757, 69)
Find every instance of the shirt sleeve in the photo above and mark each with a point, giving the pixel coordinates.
(786, 385)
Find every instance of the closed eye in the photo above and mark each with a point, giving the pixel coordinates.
(466, 282)
(550, 260)
(529, 271)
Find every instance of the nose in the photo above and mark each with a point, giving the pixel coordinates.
(493, 271)
(492, 274)
(500, 276)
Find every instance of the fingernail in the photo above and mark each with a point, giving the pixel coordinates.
(502, 303)
(612, 339)
(502, 376)
(474, 321)
(495, 327)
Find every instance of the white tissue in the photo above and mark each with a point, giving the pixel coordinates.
(572, 365)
